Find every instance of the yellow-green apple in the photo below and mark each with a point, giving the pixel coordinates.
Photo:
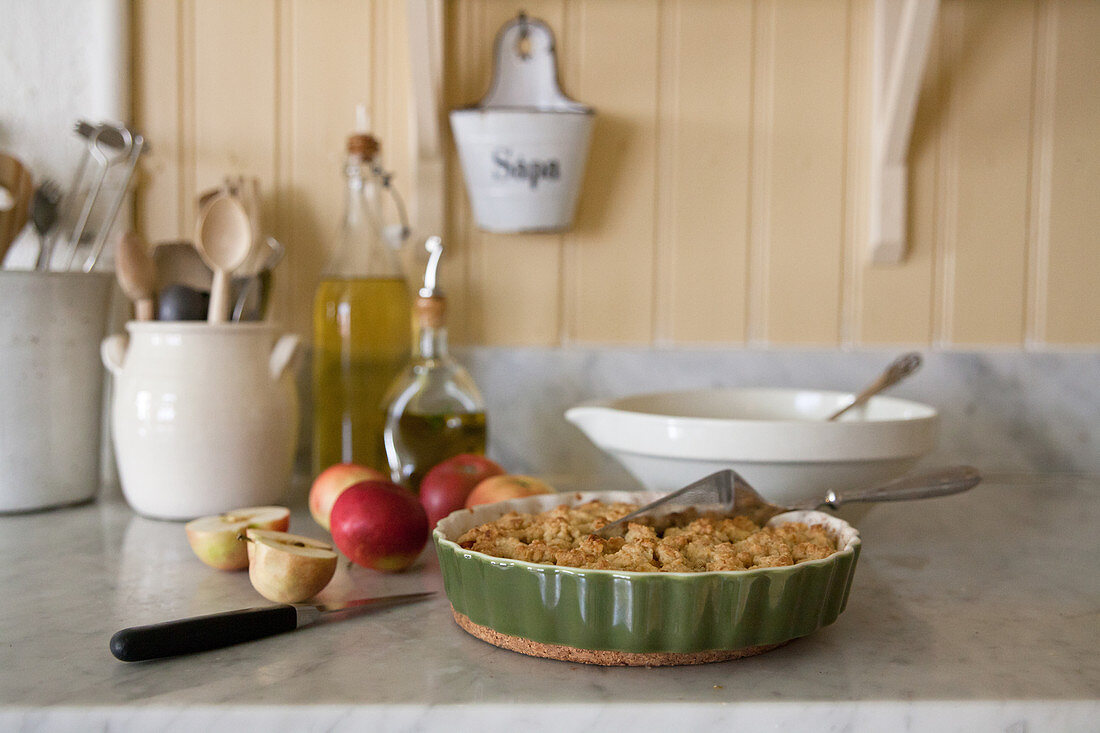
(215, 539)
(331, 482)
(506, 486)
(288, 568)
(379, 525)
(446, 486)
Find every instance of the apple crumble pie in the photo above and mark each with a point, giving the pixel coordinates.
(682, 542)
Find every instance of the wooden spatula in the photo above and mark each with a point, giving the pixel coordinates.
(16, 179)
(137, 274)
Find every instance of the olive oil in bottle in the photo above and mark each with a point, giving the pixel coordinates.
(435, 410)
(361, 336)
(361, 324)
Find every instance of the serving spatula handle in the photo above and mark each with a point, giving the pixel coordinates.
(918, 486)
(202, 633)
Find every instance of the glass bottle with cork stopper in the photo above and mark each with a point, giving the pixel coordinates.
(435, 411)
(361, 316)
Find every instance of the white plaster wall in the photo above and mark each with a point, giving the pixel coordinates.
(60, 60)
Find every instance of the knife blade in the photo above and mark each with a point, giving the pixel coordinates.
(217, 630)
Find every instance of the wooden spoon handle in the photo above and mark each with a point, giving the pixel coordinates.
(219, 298)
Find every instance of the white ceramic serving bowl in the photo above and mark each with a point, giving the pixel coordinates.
(778, 439)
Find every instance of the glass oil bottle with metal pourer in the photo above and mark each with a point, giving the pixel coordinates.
(362, 330)
(435, 410)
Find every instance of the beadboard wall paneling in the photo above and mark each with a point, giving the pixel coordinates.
(703, 159)
(266, 88)
(725, 199)
(320, 96)
(512, 293)
(988, 73)
(610, 255)
(1067, 215)
(157, 104)
(802, 199)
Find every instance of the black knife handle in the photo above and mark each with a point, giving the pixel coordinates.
(201, 633)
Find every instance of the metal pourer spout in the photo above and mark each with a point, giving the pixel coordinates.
(434, 246)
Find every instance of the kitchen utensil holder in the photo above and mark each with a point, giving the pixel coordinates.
(204, 416)
(51, 386)
(523, 146)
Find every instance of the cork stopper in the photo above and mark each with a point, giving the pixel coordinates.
(361, 142)
(365, 145)
(430, 311)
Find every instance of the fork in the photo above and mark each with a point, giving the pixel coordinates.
(44, 210)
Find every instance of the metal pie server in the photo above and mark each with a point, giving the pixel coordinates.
(728, 492)
(217, 630)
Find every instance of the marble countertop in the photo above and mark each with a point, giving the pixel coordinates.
(973, 612)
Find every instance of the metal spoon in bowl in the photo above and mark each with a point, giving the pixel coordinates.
(726, 491)
(224, 240)
(898, 370)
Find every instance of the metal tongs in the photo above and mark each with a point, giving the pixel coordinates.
(107, 147)
(728, 492)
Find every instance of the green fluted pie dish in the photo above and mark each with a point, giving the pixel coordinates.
(615, 617)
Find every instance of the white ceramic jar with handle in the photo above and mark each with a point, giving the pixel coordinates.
(204, 416)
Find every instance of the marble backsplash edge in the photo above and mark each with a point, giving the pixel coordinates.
(1006, 412)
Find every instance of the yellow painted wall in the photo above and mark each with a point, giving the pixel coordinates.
(725, 199)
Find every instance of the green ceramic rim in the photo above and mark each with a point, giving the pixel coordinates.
(646, 611)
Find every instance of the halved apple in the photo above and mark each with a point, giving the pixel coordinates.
(288, 568)
(215, 539)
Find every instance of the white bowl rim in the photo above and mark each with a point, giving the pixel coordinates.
(787, 440)
(923, 411)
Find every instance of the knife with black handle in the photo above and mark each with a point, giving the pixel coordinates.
(217, 630)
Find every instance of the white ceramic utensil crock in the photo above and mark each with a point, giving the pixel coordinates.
(51, 386)
(204, 416)
(523, 147)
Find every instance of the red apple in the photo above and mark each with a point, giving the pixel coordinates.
(379, 525)
(446, 486)
(331, 482)
(507, 486)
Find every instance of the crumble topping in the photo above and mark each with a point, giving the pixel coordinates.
(682, 542)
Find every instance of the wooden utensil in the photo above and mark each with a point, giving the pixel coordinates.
(247, 190)
(17, 180)
(224, 240)
(137, 274)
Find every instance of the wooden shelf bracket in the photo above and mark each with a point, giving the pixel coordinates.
(902, 36)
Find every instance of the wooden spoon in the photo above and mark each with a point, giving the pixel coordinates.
(137, 274)
(223, 239)
(16, 179)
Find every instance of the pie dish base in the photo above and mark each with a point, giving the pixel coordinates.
(604, 657)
